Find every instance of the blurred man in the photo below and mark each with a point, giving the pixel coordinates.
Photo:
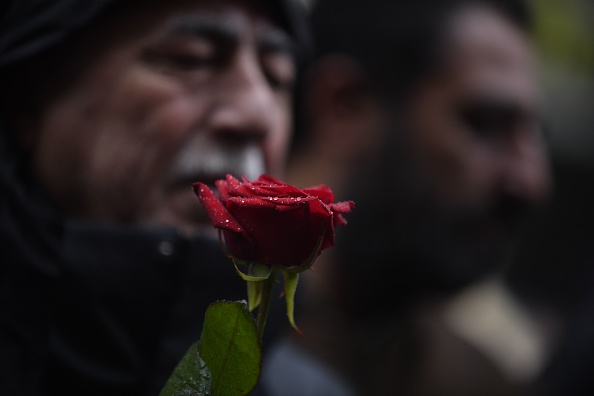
(109, 111)
(426, 114)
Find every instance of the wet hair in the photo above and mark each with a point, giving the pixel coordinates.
(396, 42)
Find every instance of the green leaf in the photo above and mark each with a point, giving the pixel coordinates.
(191, 377)
(230, 347)
(291, 279)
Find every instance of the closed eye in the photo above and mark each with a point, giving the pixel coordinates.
(183, 54)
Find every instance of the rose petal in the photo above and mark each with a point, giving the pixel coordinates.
(251, 202)
(322, 191)
(340, 208)
(273, 223)
(219, 215)
(223, 189)
(269, 179)
(279, 237)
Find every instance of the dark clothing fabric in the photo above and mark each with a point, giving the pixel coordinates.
(97, 309)
(127, 307)
(571, 369)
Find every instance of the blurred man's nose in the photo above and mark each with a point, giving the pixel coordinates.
(525, 169)
(244, 107)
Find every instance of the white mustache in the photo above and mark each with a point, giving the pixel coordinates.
(198, 160)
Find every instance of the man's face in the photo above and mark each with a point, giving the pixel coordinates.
(180, 92)
(476, 145)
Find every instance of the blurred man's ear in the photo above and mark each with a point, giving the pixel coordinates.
(341, 109)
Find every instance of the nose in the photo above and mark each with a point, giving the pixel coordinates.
(244, 108)
(525, 170)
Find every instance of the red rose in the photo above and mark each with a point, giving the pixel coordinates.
(270, 222)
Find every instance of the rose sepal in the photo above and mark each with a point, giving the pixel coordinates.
(291, 280)
(256, 271)
(255, 278)
(254, 292)
(291, 277)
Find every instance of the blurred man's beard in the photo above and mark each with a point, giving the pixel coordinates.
(450, 256)
(415, 245)
(449, 246)
(462, 246)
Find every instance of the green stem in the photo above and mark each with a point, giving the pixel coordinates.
(264, 307)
